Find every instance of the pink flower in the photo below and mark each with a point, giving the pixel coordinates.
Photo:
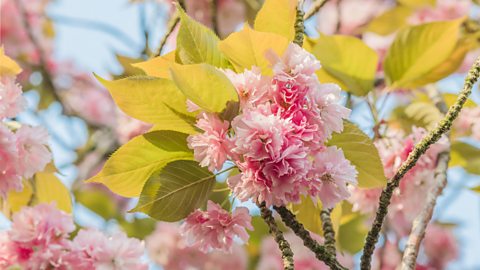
(127, 127)
(443, 10)
(365, 200)
(32, 150)
(6, 257)
(216, 228)
(440, 245)
(251, 85)
(9, 177)
(467, 123)
(11, 99)
(210, 147)
(332, 173)
(101, 252)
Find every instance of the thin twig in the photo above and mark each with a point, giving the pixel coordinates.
(315, 7)
(299, 24)
(215, 16)
(328, 231)
(171, 26)
(284, 246)
(442, 127)
(320, 251)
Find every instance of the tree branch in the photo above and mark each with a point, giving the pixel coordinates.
(299, 24)
(320, 251)
(171, 26)
(328, 231)
(316, 6)
(284, 246)
(442, 127)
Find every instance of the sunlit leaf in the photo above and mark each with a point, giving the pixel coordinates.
(158, 66)
(248, 47)
(417, 3)
(127, 170)
(362, 153)
(205, 85)
(97, 201)
(466, 156)
(197, 43)
(348, 60)
(277, 16)
(420, 114)
(128, 65)
(48, 188)
(309, 214)
(476, 189)
(17, 200)
(138, 227)
(152, 100)
(352, 231)
(8, 67)
(390, 21)
(221, 195)
(180, 187)
(418, 50)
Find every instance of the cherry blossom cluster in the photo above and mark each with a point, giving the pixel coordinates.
(39, 238)
(23, 150)
(278, 139)
(394, 149)
(168, 248)
(467, 123)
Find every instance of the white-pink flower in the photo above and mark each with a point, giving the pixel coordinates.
(9, 176)
(33, 154)
(332, 175)
(441, 247)
(211, 147)
(216, 228)
(442, 11)
(252, 87)
(11, 100)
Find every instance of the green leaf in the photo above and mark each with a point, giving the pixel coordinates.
(360, 150)
(152, 100)
(418, 50)
(196, 43)
(348, 60)
(247, 48)
(308, 214)
(17, 200)
(221, 195)
(127, 170)
(390, 21)
(48, 188)
(181, 187)
(139, 227)
(205, 85)
(98, 201)
(158, 66)
(465, 155)
(417, 3)
(476, 189)
(277, 16)
(352, 232)
(128, 65)
(420, 114)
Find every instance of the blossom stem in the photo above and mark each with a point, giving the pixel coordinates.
(316, 6)
(284, 246)
(171, 26)
(299, 25)
(421, 221)
(328, 231)
(320, 251)
(420, 148)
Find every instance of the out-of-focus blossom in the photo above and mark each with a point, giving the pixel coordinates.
(127, 127)
(440, 246)
(216, 228)
(467, 123)
(32, 150)
(442, 11)
(210, 147)
(9, 177)
(11, 99)
(387, 257)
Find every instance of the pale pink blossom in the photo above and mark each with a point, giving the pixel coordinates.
(211, 147)
(216, 228)
(33, 152)
(236, 260)
(365, 200)
(442, 11)
(332, 175)
(11, 100)
(6, 257)
(10, 179)
(441, 247)
(467, 123)
(127, 127)
(387, 257)
(252, 87)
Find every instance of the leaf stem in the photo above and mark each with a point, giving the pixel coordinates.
(420, 148)
(287, 254)
(320, 251)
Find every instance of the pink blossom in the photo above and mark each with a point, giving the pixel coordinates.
(127, 127)
(365, 200)
(251, 85)
(9, 176)
(210, 147)
(101, 252)
(236, 260)
(467, 123)
(216, 228)
(32, 150)
(6, 257)
(11, 99)
(440, 245)
(387, 257)
(442, 11)
(332, 174)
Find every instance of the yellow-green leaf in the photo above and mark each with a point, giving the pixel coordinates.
(152, 100)
(417, 3)
(362, 153)
(48, 188)
(181, 187)
(204, 85)
(476, 189)
(420, 114)
(465, 155)
(248, 47)
(418, 50)
(128, 65)
(308, 214)
(390, 21)
(348, 60)
(158, 66)
(352, 231)
(98, 201)
(277, 16)
(196, 43)
(127, 170)
(17, 200)
(8, 67)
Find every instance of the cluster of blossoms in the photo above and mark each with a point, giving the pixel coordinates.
(23, 152)
(278, 139)
(168, 248)
(394, 149)
(39, 239)
(467, 123)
